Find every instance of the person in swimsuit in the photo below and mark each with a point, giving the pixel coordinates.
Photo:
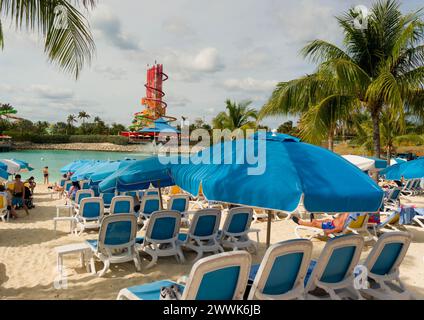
(329, 225)
(46, 175)
(19, 193)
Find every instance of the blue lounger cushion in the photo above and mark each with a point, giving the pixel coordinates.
(151, 291)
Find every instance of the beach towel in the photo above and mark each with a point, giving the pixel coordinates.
(406, 215)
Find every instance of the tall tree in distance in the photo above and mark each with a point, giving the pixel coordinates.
(83, 116)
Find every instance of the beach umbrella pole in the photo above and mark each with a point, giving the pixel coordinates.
(160, 195)
(268, 228)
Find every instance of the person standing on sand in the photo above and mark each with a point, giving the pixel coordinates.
(46, 175)
(19, 193)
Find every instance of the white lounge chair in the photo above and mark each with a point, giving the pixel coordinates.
(218, 277)
(390, 223)
(333, 272)
(161, 239)
(4, 212)
(89, 215)
(148, 205)
(107, 199)
(122, 205)
(281, 275)
(383, 264)
(391, 202)
(85, 184)
(236, 229)
(180, 203)
(203, 233)
(80, 195)
(116, 242)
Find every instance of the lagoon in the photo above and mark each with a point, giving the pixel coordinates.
(55, 159)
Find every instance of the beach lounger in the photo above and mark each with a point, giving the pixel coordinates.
(390, 223)
(281, 275)
(67, 187)
(148, 205)
(4, 213)
(203, 233)
(180, 203)
(151, 192)
(236, 229)
(80, 195)
(122, 205)
(383, 267)
(391, 202)
(161, 239)
(89, 215)
(116, 242)
(332, 273)
(85, 184)
(107, 199)
(218, 277)
(357, 223)
(409, 188)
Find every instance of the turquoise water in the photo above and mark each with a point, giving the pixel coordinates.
(55, 159)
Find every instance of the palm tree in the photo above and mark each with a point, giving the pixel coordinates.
(71, 119)
(380, 67)
(83, 116)
(8, 112)
(70, 122)
(237, 116)
(68, 40)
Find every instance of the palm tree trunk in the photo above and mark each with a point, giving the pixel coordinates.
(331, 139)
(375, 115)
(389, 154)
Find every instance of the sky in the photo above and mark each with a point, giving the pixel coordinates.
(211, 51)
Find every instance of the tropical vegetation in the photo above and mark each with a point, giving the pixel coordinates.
(378, 71)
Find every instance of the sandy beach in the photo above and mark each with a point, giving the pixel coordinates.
(28, 259)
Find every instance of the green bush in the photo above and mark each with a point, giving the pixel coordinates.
(52, 139)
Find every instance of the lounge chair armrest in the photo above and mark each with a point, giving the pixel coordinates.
(253, 230)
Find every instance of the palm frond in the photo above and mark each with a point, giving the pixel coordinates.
(70, 47)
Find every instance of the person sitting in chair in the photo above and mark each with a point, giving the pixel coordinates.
(19, 193)
(329, 225)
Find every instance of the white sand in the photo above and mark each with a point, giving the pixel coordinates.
(28, 259)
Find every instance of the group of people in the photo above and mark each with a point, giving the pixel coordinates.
(19, 196)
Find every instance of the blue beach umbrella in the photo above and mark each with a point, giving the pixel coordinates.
(287, 169)
(138, 176)
(73, 166)
(24, 166)
(85, 172)
(409, 170)
(4, 175)
(108, 169)
(273, 171)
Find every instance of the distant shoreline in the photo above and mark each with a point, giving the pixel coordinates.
(105, 147)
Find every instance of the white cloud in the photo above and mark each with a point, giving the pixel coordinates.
(178, 26)
(306, 20)
(51, 93)
(107, 25)
(111, 73)
(250, 84)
